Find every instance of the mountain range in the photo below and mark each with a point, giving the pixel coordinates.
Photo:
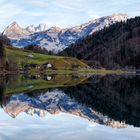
(56, 39)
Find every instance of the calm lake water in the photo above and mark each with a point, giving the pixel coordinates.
(70, 107)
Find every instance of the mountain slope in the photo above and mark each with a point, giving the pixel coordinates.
(21, 57)
(56, 39)
(117, 46)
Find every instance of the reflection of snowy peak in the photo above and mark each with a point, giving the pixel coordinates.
(55, 102)
(56, 39)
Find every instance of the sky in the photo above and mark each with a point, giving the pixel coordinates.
(60, 127)
(62, 13)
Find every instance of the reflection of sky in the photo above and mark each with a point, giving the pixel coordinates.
(59, 127)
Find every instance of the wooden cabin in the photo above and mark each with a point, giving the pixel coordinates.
(47, 65)
(48, 77)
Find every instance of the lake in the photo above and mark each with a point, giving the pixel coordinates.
(70, 107)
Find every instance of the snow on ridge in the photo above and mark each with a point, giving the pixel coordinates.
(54, 38)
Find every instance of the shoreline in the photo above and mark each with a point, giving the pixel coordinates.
(90, 71)
(9, 72)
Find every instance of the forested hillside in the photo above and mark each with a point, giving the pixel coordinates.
(3, 40)
(117, 46)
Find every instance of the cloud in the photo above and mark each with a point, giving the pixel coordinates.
(62, 12)
(92, 14)
(134, 13)
(78, 5)
(8, 11)
(37, 3)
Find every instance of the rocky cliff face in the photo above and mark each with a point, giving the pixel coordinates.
(14, 31)
(56, 39)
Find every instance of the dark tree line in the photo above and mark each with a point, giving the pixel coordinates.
(6, 65)
(3, 40)
(38, 49)
(117, 46)
(2, 51)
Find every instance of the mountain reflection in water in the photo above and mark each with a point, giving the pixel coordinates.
(112, 100)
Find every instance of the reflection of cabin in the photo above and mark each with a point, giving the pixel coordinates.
(75, 67)
(75, 76)
(47, 65)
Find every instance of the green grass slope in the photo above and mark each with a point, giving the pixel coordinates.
(20, 84)
(59, 62)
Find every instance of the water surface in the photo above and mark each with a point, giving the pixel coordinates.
(68, 107)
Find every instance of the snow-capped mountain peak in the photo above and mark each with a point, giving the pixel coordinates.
(14, 23)
(54, 29)
(119, 17)
(31, 28)
(54, 38)
(14, 31)
(39, 28)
